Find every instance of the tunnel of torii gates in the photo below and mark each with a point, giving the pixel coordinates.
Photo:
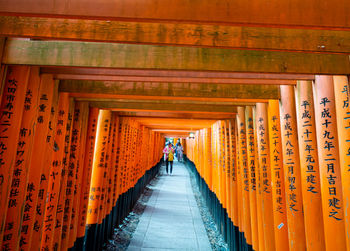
(90, 91)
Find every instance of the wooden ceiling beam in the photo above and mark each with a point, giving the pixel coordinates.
(83, 54)
(241, 81)
(171, 90)
(292, 13)
(164, 106)
(197, 35)
(173, 73)
(178, 115)
(99, 97)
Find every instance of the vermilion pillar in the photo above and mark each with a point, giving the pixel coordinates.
(259, 191)
(291, 168)
(87, 167)
(98, 170)
(341, 91)
(328, 154)
(277, 177)
(46, 93)
(251, 164)
(51, 146)
(11, 110)
(57, 237)
(265, 175)
(55, 173)
(16, 209)
(310, 175)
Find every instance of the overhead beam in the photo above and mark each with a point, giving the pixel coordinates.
(173, 73)
(255, 12)
(178, 115)
(112, 97)
(166, 123)
(83, 54)
(241, 81)
(196, 35)
(164, 106)
(174, 90)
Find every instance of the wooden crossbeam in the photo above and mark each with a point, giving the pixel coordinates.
(173, 107)
(171, 123)
(197, 35)
(177, 79)
(178, 115)
(312, 13)
(173, 73)
(171, 90)
(83, 54)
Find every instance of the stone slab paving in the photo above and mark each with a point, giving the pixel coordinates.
(171, 220)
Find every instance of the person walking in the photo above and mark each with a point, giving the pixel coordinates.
(169, 157)
(179, 152)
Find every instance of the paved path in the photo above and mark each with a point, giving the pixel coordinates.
(171, 220)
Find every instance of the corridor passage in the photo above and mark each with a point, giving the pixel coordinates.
(171, 220)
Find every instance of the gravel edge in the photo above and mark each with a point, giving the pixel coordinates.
(123, 233)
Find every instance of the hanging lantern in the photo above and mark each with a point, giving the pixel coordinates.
(191, 136)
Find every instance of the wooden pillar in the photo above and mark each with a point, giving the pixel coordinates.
(239, 172)
(234, 206)
(214, 158)
(341, 91)
(277, 177)
(228, 165)
(74, 172)
(21, 165)
(328, 155)
(310, 175)
(241, 121)
(259, 190)
(87, 170)
(57, 237)
(46, 95)
(291, 168)
(207, 154)
(114, 163)
(73, 228)
(12, 105)
(251, 165)
(46, 166)
(98, 170)
(55, 173)
(222, 172)
(265, 175)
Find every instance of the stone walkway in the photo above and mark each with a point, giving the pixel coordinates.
(171, 220)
